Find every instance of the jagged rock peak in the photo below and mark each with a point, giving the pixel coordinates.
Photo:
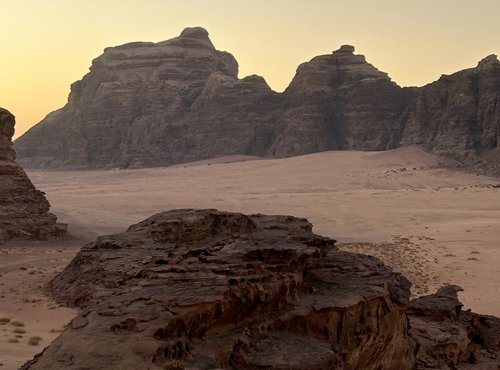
(490, 59)
(195, 33)
(7, 122)
(192, 37)
(346, 49)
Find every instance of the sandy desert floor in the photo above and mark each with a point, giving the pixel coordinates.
(29, 319)
(435, 225)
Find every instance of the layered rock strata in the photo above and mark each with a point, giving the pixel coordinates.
(146, 104)
(449, 338)
(459, 115)
(24, 210)
(203, 289)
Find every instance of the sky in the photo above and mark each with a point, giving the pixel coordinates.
(47, 45)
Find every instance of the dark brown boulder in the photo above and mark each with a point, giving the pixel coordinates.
(212, 289)
(204, 289)
(7, 123)
(449, 338)
(24, 210)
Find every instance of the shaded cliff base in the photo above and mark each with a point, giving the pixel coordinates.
(203, 289)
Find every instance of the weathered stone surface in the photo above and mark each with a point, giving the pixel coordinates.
(203, 289)
(459, 115)
(223, 290)
(147, 104)
(449, 338)
(340, 101)
(7, 123)
(24, 211)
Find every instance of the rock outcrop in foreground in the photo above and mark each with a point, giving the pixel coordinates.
(203, 289)
(24, 211)
(145, 104)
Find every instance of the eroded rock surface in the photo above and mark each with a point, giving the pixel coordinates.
(459, 115)
(147, 104)
(214, 290)
(24, 210)
(449, 338)
(203, 289)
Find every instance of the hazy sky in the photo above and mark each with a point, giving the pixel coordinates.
(45, 45)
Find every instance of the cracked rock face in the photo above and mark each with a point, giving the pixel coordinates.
(24, 210)
(449, 338)
(213, 290)
(459, 115)
(204, 289)
(154, 104)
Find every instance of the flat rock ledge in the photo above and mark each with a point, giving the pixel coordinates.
(204, 289)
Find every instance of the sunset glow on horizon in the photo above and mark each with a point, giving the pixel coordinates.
(47, 45)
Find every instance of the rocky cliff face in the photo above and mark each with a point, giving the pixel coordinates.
(146, 104)
(458, 115)
(340, 101)
(24, 211)
(203, 289)
(448, 338)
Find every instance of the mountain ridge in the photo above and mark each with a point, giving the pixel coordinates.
(180, 100)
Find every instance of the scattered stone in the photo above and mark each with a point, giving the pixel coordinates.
(34, 341)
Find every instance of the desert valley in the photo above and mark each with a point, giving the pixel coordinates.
(435, 225)
(202, 221)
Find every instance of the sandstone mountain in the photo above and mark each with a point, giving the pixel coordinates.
(203, 289)
(24, 211)
(146, 104)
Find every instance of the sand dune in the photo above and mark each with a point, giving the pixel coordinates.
(431, 223)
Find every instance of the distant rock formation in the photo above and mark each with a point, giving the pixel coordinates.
(203, 289)
(147, 104)
(458, 115)
(23, 209)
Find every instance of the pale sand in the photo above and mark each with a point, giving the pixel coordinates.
(435, 225)
(25, 270)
